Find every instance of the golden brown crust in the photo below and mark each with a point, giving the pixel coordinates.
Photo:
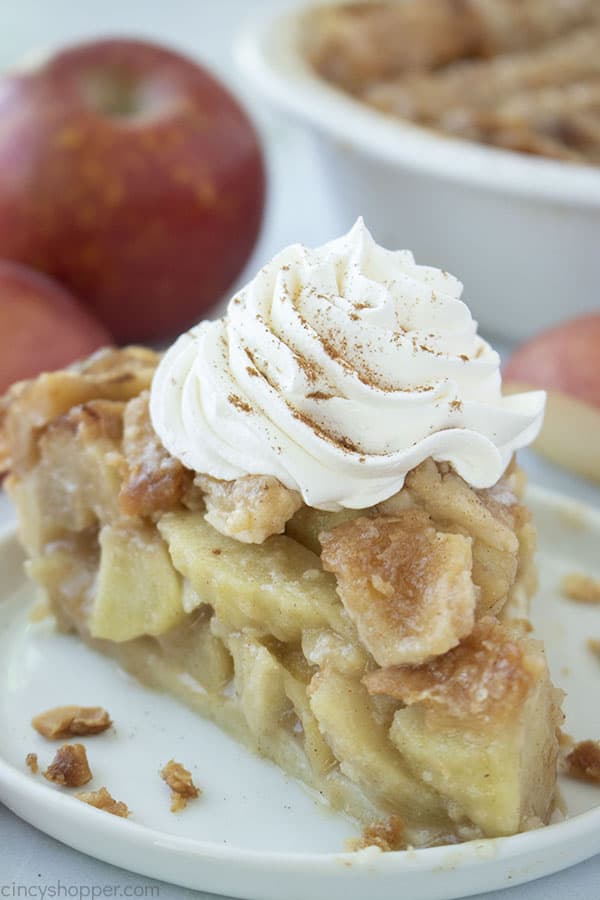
(29, 406)
(249, 509)
(70, 766)
(520, 74)
(31, 760)
(388, 836)
(101, 799)
(180, 781)
(486, 677)
(583, 761)
(154, 481)
(581, 588)
(69, 721)
(407, 587)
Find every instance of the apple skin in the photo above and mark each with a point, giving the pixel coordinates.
(133, 177)
(42, 326)
(564, 358)
(564, 361)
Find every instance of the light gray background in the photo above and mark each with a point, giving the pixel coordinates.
(299, 208)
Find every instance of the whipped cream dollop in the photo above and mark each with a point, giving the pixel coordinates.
(338, 370)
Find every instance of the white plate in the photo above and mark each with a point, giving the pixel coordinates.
(255, 834)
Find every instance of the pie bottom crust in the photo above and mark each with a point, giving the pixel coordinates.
(459, 745)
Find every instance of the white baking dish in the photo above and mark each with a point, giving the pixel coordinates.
(522, 233)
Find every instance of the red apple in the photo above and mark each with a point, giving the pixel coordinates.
(133, 177)
(565, 361)
(41, 326)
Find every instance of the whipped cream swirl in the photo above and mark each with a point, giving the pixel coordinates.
(337, 370)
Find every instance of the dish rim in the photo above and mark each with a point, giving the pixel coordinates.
(266, 50)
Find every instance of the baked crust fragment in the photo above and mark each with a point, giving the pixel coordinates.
(387, 836)
(155, 481)
(101, 799)
(583, 761)
(182, 786)
(28, 406)
(484, 679)
(70, 766)
(406, 586)
(249, 509)
(68, 721)
(581, 588)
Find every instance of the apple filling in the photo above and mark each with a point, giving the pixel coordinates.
(369, 653)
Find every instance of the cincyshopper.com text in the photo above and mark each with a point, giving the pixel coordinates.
(59, 890)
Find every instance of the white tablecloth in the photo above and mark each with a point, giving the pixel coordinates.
(299, 208)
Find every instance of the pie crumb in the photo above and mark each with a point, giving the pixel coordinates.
(388, 836)
(67, 721)
(102, 799)
(40, 612)
(182, 787)
(584, 761)
(32, 761)
(70, 766)
(565, 740)
(594, 645)
(581, 588)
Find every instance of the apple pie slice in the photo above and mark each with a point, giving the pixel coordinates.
(374, 650)
(363, 653)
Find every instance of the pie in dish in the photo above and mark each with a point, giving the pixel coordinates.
(519, 74)
(373, 642)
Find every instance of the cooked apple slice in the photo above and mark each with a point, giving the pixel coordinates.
(480, 726)
(345, 714)
(277, 587)
(138, 591)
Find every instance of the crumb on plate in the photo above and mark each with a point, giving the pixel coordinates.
(581, 588)
(584, 761)
(42, 610)
(180, 781)
(32, 761)
(101, 799)
(388, 836)
(70, 766)
(67, 721)
(594, 645)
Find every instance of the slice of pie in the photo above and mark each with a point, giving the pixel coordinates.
(378, 652)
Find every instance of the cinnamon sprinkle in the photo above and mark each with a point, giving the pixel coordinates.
(239, 403)
(339, 441)
(319, 395)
